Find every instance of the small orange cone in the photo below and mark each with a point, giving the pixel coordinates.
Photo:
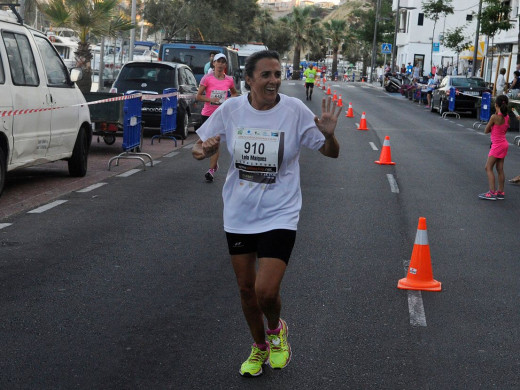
(334, 97)
(340, 102)
(328, 90)
(420, 274)
(363, 122)
(385, 158)
(323, 85)
(350, 111)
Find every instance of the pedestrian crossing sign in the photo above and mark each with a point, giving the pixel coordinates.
(386, 48)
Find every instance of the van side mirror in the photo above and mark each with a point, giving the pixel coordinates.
(76, 74)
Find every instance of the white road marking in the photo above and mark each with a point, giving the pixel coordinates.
(4, 225)
(171, 154)
(416, 308)
(291, 83)
(393, 184)
(129, 173)
(190, 146)
(92, 187)
(458, 124)
(155, 162)
(373, 146)
(46, 207)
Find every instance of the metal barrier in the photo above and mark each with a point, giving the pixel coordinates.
(168, 117)
(451, 105)
(132, 133)
(485, 110)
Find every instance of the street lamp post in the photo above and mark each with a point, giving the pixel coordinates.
(374, 42)
(394, 47)
(475, 48)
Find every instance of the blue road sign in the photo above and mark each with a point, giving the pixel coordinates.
(436, 46)
(386, 48)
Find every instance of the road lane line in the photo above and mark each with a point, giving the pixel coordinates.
(393, 184)
(190, 146)
(373, 146)
(4, 225)
(129, 173)
(416, 308)
(92, 187)
(155, 162)
(171, 154)
(46, 207)
(458, 124)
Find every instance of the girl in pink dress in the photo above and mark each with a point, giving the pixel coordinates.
(498, 125)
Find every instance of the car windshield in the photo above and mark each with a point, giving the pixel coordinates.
(146, 78)
(467, 82)
(194, 58)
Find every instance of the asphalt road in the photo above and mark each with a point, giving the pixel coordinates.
(129, 286)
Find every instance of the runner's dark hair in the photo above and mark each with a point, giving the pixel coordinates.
(501, 102)
(251, 61)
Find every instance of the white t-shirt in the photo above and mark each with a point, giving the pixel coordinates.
(262, 189)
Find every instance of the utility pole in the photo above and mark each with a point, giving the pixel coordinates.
(374, 42)
(394, 47)
(132, 32)
(475, 48)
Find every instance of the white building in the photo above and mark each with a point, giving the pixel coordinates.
(415, 37)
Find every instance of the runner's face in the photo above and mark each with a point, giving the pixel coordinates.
(220, 65)
(265, 83)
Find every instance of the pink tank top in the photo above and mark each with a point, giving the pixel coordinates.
(498, 132)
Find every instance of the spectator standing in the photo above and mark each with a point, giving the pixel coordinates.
(432, 84)
(416, 71)
(501, 82)
(213, 91)
(209, 65)
(262, 194)
(515, 84)
(409, 68)
(498, 125)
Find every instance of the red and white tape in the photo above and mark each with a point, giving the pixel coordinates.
(4, 114)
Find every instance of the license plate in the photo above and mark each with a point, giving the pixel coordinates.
(473, 93)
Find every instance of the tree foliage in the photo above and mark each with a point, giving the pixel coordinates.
(495, 17)
(433, 10)
(456, 40)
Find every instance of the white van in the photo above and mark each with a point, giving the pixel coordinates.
(49, 122)
(244, 51)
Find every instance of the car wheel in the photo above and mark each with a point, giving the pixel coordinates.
(3, 169)
(79, 159)
(182, 124)
(109, 139)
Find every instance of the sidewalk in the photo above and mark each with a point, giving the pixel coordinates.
(28, 188)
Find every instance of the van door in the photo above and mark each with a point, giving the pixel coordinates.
(31, 131)
(6, 104)
(64, 121)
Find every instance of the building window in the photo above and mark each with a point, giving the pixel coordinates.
(469, 18)
(420, 21)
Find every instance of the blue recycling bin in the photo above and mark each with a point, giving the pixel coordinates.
(451, 101)
(485, 107)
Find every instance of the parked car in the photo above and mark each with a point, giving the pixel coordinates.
(152, 78)
(467, 91)
(33, 77)
(196, 54)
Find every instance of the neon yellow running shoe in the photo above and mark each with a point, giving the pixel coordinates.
(253, 365)
(280, 349)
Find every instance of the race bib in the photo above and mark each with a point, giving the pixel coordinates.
(310, 75)
(221, 95)
(257, 154)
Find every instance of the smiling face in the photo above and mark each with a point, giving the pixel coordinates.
(265, 83)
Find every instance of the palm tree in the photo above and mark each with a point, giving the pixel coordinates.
(336, 32)
(303, 28)
(96, 18)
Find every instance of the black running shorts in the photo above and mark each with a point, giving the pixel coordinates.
(276, 243)
(307, 85)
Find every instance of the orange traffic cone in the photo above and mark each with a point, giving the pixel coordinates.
(363, 122)
(334, 97)
(323, 85)
(340, 102)
(350, 111)
(328, 90)
(385, 158)
(420, 274)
